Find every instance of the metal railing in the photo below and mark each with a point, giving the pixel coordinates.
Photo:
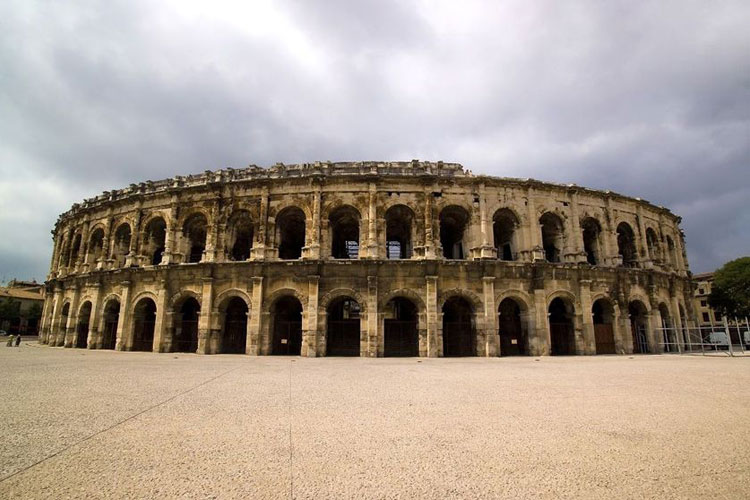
(731, 337)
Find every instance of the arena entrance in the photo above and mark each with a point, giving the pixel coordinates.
(604, 334)
(234, 336)
(111, 318)
(287, 327)
(561, 330)
(144, 320)
(82, 331)
(186, 327)
(401, 337)
(638, 326)
(458, 328)
(513, 341)
(342, 334)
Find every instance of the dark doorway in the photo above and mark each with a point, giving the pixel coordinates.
(82, 331)
(553, 236)
(344, 224)
(111, 319)
(668, 330)
(458, 328)
(398, 224)
(604, 334)
(290, 233)
(234, 336)
(626, 245)
(591, 240)
(154, 240)
(342, 334)
(400, 328)
(562, 332)
(287, 327)
(240, 236)
(638, 326)
(453, 224)
(513, 340)
(504, 225)
(186, 327)
(144, 320)
(194, 235)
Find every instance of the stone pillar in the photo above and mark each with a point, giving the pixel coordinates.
(491, 338)
(535, 252)
(313, 249)
(310, 327)
(643, 250)
(539, 342)
(576, 233)
(486, 251)
(94, 339)
(589, 337)
(430, 250)
(677, 325)
(124, 332)
(55, 322)
(610, 235)
(212, 230)
(253, 330)
(171, 251)
(432, 344)
(204, 320)
(369, 346)
(70, 328)
(372, 223)
(258, 252)
(161, 338)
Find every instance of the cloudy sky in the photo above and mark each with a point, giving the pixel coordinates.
(649, 99)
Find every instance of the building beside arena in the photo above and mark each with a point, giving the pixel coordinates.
(366, 259)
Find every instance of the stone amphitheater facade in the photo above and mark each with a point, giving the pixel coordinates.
(366, 259)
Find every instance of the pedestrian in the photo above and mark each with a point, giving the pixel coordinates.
(18, 340)
(10, 341)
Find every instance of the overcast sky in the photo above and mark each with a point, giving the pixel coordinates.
(649, 99)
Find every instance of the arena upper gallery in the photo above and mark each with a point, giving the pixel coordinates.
(366, 259)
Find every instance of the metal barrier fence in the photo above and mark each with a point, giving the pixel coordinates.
(730, 337)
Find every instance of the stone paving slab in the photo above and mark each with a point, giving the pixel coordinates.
(104, 424)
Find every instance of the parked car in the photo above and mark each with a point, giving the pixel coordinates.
(3, 333)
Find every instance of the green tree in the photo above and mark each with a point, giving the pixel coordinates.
(730, 291)
(10, 309)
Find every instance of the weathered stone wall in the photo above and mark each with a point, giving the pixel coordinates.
(94, 263)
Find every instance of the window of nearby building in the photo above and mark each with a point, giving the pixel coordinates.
(701, 291)
(704, 303)
(706, 319)
(717, 315)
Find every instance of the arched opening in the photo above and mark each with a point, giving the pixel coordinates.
(561, 329)
(74, 249)
(401, 337)
(513, 339)
(671, 252)
(144, 320)
(592, 231)
(342, 332)
(639, 326)
(553, 236)
(344, 225)
(63, 324)
(398, 232)
(111, 319)
(234, 332)
(185, 337)
(652, 242)
(154, 240)
(82, 330)
(604, 315)
(504, 224)
(290, 231)
(194, 237)
(239, 236)
(626, 245)
(287, 326)
(458, 328)
(454, 222)
(121, 248)
(96, 246)
(667, 327)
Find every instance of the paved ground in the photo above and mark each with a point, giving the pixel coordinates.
(80, 423)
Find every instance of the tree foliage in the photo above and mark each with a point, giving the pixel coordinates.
(10, 309)
(730, 291)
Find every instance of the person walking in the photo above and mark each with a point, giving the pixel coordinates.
(18, 340)
(10, 341)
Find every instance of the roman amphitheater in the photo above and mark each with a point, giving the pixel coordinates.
(366, 259)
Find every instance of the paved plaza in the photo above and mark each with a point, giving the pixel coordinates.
(81, 423)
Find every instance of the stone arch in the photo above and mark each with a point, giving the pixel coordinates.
(83, 322)
(626, 244)
(406, 293)
(514, 323)
(604, 317)
(454, 222)
(562, 315)
(285, 205)
(553, 235)
(228, 294)
(400, 225)
(473, 299)
(153, 239)
(180, 296)
(290, 232)
(238, 234)
(505, 232)
(591, 230)
(279, 293)
(337, 293)
(345, 232)
(565, 295)
(524, 300)
(144, 294)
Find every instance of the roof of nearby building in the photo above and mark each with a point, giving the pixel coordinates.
(15, 293)
(703, 276)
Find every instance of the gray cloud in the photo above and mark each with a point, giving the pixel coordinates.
(648, 100)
